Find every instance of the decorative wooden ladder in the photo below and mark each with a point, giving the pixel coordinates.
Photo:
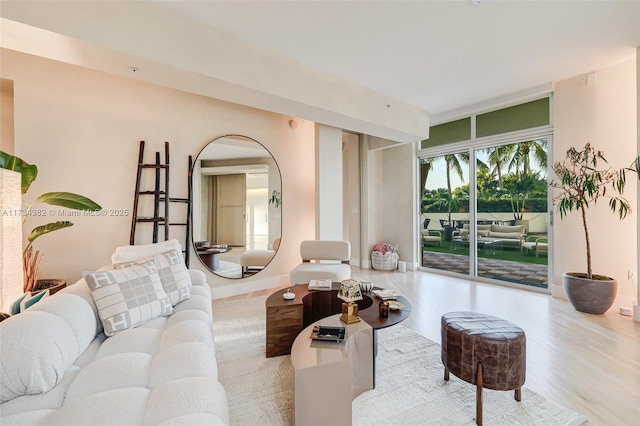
(162, 199)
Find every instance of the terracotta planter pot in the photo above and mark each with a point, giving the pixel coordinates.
(590, 296)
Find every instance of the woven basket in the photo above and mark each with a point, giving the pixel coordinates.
(384, 262)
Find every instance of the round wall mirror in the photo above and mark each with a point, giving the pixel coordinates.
(237, 208)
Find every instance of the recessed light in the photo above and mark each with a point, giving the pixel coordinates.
(477, 2)
(134, 69)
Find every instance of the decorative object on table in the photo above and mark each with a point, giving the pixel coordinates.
(29, 172)
(350, 293)
(366, 285)
(330, 333)
(384, 257)
(384, 308)
(581, 182)
(394, 305)
(320, 284)
(27, 300)
(386, 294)
(289, 295)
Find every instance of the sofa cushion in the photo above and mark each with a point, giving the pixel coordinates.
(124, 370)
(174, 275)
(128, 297)
(124, 406)
(506, 235)
(42, 347)
(520, 229)
(187, 396)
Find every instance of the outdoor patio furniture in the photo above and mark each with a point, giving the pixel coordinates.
(538, 244)
(513, 235)
(432, 236)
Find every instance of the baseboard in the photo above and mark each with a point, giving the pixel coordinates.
(557, 291)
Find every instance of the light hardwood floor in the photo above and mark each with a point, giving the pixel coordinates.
(589, 363)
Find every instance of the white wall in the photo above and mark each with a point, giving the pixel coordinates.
(372, 199)
(603, 114)
(82, 128)
(399, 201)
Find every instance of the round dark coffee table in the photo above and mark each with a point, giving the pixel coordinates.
(210, 257)
(287, 318)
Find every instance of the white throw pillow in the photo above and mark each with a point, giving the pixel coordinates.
(173, 274)
(125, 254)
(128, 297)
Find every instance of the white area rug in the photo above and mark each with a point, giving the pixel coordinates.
(410, 389)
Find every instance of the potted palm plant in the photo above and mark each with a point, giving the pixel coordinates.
(581, 182)
(31, 259)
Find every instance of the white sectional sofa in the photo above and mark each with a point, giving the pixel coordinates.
(59, 367)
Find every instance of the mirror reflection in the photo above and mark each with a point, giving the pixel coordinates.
(236, 206)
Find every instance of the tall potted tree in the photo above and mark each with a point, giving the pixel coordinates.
(581, 182)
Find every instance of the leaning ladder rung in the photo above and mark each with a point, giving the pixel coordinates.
(152, 193)
(175, 200)
(153, 166)
(177, 224)
(150, 219)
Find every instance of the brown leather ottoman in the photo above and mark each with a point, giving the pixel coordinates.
(483, 350)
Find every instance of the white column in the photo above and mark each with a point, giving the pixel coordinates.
(329, 210)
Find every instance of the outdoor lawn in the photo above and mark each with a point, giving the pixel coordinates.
(506, 253)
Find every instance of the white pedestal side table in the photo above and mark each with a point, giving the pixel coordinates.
(329, 375)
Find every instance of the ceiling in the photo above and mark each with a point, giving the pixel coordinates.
(387, 69)
(436, 55)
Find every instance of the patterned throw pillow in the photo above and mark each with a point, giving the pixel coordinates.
(128, 297)
(173, 274)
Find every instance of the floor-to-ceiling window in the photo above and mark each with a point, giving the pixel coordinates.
(511, 230)
(445, 210)
(484, 195)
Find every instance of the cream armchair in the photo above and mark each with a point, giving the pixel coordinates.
(322, 259)
(253, 261)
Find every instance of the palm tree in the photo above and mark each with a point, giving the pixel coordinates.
(426, 165)
(453, 164)
(522, 156)
(525, 179)
(498, 157)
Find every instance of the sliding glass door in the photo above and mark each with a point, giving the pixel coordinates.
(493, 225)
(511, 194)
(445, 211)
